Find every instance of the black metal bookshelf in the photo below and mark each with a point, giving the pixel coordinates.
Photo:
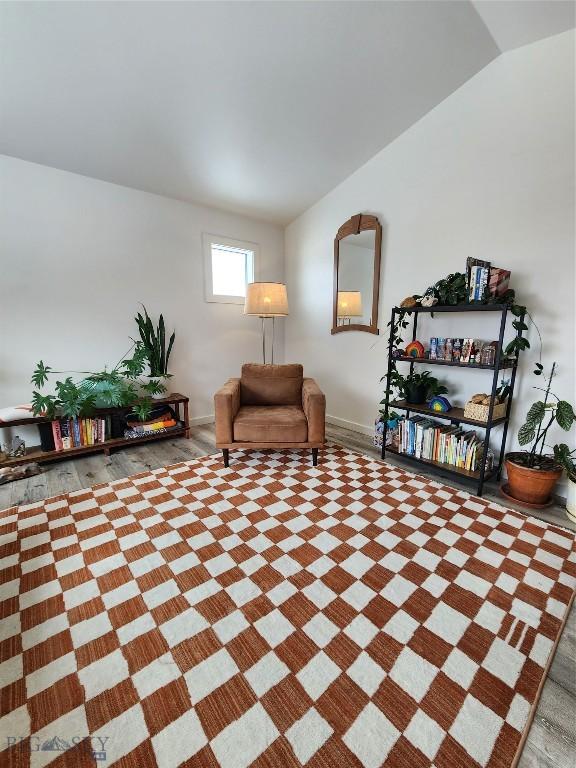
(455, 415)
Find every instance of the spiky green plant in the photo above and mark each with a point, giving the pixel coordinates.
(154, 343)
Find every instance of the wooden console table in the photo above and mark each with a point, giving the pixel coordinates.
(37, 454)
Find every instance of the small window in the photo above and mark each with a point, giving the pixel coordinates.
(229, 265)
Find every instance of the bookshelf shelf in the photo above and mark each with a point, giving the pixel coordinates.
(504, 363)
(35, 454)
(455, 415)
(449, 468)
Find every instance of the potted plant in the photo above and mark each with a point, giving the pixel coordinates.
(417, 388)
(152, 343)
(565, 457)
(532, 474)
(101, 389)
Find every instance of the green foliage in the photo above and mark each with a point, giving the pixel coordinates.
(40, 375)
(111, 389)
(540, 417)
(142, 409)
(154, 387)
(450, 290)
(134, 366)
(564, 415)
(402, 384)
(564, 457)
(153, 341)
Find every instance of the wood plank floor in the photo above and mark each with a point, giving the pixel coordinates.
(551, 742)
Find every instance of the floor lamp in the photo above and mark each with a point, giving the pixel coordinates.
(266, 300)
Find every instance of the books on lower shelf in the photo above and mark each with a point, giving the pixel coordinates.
(77, 432)
(156, 429)
(164, 423)
(445, 444)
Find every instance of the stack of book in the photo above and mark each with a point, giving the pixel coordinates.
(446, 444)
(160, 420)
(484, 280)
(73, 433)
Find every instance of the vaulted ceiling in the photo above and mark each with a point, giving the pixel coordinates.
(254, 107)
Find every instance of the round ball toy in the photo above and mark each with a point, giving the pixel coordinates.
(414, 349)
(440, 404)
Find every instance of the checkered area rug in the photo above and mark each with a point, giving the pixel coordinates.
(275, 614)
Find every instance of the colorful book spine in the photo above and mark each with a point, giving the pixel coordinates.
(65, 434)
(77, 440)
(57, 436)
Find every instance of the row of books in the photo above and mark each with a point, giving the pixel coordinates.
(482, 278)
(446, 444)
(151, 428)
(73, 433)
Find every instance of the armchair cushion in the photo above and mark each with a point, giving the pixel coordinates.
(226, 405)
(271, 384)
(270, 424)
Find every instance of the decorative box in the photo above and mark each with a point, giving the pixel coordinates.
(479, 412)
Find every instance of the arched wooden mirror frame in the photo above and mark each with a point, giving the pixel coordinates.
(354, 226)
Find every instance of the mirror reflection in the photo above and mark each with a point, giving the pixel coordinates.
(356, 278)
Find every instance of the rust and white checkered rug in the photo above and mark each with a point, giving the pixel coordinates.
(275, 614)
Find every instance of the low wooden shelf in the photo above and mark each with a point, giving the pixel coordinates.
(35, 453)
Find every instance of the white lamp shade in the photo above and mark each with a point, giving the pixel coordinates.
(349, 304)
(266, 300)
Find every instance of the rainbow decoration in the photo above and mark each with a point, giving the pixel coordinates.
(414, 349)
(440, 404)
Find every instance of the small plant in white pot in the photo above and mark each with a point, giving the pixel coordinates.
(153, 343)
(566, 458)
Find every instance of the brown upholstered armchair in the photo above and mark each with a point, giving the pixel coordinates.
(270, 406)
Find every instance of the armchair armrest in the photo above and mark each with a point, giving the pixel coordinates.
(226, 405)
(314, 406)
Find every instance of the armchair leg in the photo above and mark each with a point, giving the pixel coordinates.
(226, 456)
(315, 457)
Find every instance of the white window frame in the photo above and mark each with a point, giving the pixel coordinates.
(208, 241)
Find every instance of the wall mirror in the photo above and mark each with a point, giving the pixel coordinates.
(357, 249)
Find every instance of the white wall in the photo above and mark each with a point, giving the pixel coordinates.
(489, 173)
(77, 256)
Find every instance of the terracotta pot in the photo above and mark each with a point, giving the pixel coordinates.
(534, 486)
(571, 500)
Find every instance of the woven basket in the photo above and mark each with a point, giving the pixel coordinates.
(479, 412)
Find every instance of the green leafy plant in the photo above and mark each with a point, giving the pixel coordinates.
(153, 343)
(566, 459)
(450, 290)
(116, 388)
(400, 386)
(540, 417)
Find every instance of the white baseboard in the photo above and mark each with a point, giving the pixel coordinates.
(197, 420)
(352, 425)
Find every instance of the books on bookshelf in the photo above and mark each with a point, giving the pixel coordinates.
(161, 419)
(446, 444)
(483, 280)
(76, 432)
